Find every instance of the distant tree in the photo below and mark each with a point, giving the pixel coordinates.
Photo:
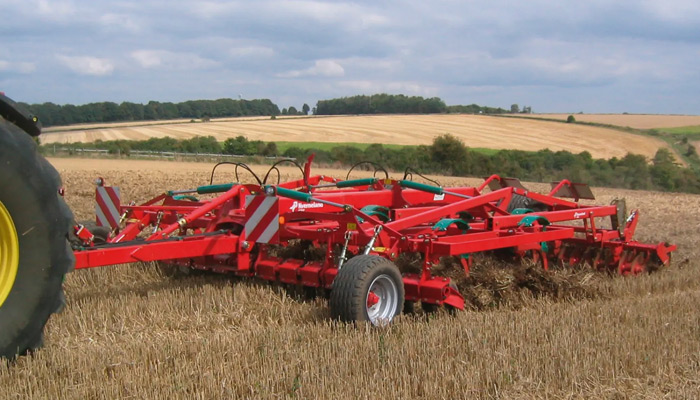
(292, 111)
(448, 152)
(514, 108)
(305, 109)
(240, 145)
(270, 149)
(570, 119)
(284, 111)
(664, 171)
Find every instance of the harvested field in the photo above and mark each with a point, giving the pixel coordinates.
(473, 130)
(130, 331)
(637, 121)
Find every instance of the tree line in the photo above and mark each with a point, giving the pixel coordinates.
(396, 104)
(447, 155)
(51, 114)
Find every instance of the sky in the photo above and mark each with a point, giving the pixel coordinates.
(554, 56)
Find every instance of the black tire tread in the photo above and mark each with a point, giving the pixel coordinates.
(519, 201)
(41, 182)
(347, 302)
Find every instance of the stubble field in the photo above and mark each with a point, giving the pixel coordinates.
(132, 332)
(637, 121)
(473, 130)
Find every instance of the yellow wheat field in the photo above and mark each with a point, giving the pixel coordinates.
(473, 130)
(132, 332)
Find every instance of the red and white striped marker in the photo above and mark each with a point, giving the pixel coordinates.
(262, 223)
(107, 206)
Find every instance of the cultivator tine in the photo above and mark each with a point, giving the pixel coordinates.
(624, 261)
(575, 256)
(639, 263)
(634, 262)
(538, 257)
(601, 260)
(562, 254)
(587, 256)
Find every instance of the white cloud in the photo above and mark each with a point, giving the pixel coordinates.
(21, 67)
(327, 68)
(120, 22)
(171, 60)
(55, 9)
(398, 87)
(87, 65)
(251, 51)
(147, 58)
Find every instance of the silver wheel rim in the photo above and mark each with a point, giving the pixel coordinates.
(387, 299)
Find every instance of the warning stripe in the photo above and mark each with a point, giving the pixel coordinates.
(262, 219)
(107, 206)
(104, 216)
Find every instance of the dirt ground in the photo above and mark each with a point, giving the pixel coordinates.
(130, 331)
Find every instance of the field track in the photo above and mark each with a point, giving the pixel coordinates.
(133, 332)
(473, 130)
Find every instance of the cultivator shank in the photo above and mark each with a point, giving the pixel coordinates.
(360, 228)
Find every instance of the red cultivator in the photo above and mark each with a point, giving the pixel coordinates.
(363, 226)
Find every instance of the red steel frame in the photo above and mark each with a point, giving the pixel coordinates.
(432, 221)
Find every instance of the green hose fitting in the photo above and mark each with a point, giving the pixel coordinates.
(292, 194)
(357, 182)
(224, 187)
(421, 186)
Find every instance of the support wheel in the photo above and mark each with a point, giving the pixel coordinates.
(34, 250)
(367, 288)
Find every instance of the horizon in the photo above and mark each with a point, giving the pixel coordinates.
(312, 106)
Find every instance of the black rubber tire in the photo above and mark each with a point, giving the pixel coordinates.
(351, 286)
(29, 190)
(101, 234)
(519, 201)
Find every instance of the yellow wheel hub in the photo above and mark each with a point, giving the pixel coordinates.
(9, 253)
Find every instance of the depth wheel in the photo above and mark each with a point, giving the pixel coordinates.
(367, 288)
(34, 250)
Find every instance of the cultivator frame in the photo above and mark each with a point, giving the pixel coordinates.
(243, 228)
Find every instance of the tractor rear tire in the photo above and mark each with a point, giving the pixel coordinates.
(34, 250)
(367, 288)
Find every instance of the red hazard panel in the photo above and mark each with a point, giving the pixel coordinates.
(262, 223)
(107, 206)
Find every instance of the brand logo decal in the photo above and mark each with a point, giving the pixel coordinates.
(303, 206)
(579, 214)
